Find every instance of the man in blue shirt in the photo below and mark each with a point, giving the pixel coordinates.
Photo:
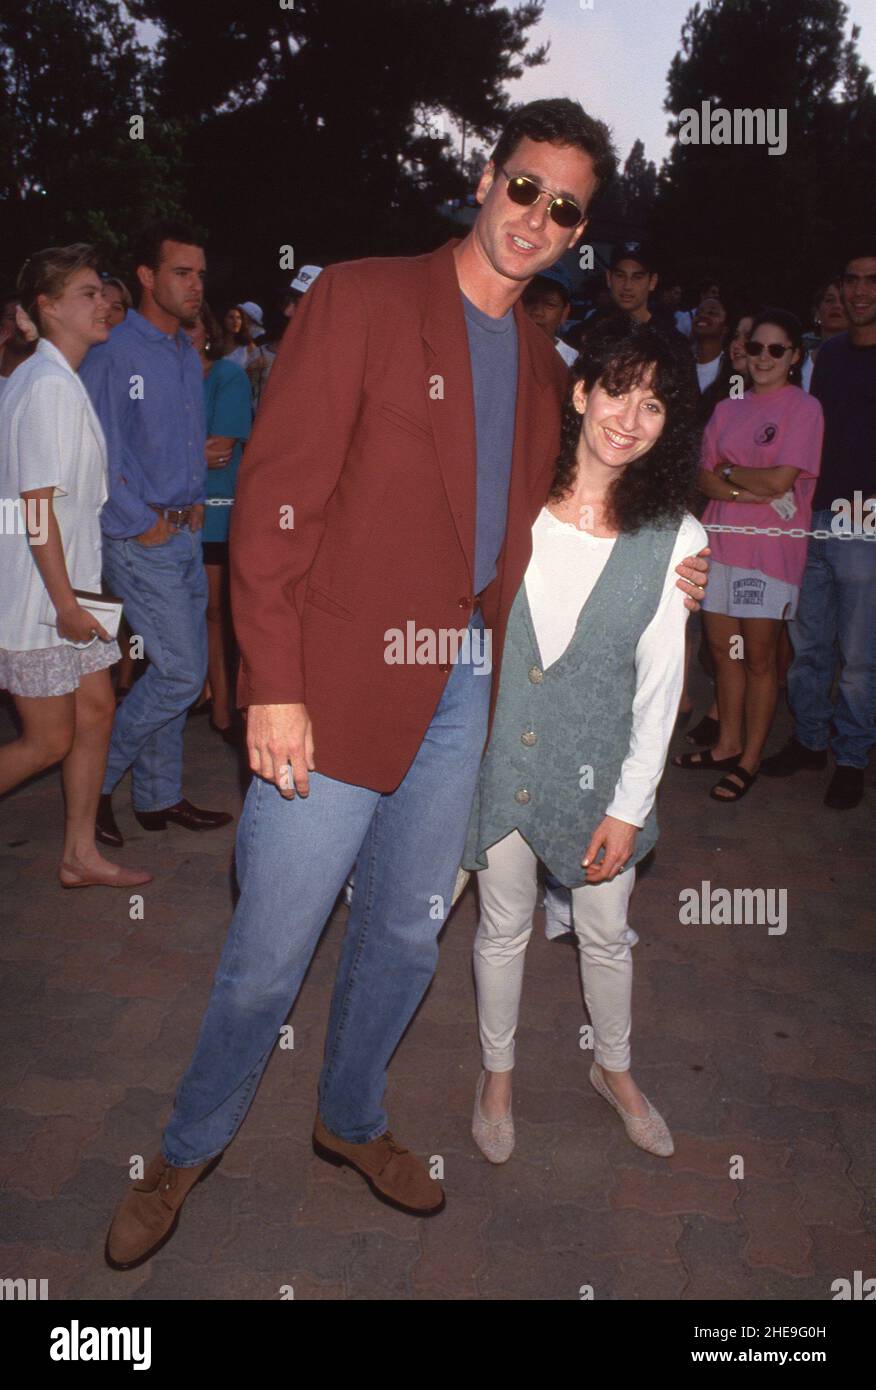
(146, 386)
(837, 611)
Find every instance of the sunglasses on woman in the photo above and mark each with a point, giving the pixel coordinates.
(525, 192)
(754, 349)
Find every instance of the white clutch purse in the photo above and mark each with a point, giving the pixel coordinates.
(104, 607)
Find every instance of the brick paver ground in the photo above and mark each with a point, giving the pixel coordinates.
(752, 1045)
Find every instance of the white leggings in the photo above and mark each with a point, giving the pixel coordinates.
(507, 890)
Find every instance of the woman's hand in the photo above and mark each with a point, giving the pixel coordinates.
(618, 839)
(78, 625)
(219, 450)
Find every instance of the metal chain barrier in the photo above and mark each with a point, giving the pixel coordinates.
(795, 532)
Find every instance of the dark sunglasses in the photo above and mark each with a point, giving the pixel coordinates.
(525, 192)
(754, 349)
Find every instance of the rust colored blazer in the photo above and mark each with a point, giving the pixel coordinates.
(366, 432)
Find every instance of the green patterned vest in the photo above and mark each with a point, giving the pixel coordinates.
(560, 736)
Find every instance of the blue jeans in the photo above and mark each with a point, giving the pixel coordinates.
(292, 860)
(165, 592)
(836, 617)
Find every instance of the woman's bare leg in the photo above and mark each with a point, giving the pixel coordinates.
(729, 681)
(83, 770)
(47, 725)
(218, 645)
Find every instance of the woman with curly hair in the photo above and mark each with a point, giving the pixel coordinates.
(591, 677)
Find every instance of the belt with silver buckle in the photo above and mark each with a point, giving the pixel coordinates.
(177, 516)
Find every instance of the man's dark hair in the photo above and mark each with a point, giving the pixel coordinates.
(862, 249)
(147, 247)
(658, 486)
(562, 122)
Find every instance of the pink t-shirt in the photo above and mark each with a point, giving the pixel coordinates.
(781, 429)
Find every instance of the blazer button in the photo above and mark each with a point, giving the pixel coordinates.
(465, 603)
(536, 675)
(522, 795)
(529, 738)
(445, 669)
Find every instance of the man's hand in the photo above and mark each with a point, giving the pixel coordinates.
(196, 519)
(277, 735)
(618, 839)
(78, 625)
(694, 573)
(157, 533)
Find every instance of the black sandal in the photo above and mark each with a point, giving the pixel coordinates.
(705, 761)
(747, 779)
(705, 732)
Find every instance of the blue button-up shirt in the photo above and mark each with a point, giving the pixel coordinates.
(147, 389)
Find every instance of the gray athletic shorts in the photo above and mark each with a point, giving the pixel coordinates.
(742, 593)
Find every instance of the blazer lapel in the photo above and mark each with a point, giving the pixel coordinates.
(450, 395)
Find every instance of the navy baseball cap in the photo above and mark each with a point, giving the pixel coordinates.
(558, 275)
(634, 251)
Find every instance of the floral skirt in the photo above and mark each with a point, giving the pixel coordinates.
(49, 671)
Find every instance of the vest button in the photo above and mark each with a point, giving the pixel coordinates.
(529, 738)
(536, 675)
(522, 795)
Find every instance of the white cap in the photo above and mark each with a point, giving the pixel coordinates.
(256, 317)
(305, 277)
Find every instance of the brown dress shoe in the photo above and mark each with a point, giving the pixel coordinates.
(394, 1174)
(146, 1217)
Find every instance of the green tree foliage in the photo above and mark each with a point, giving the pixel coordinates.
(72, 74)
(772, 225)
(325, 126)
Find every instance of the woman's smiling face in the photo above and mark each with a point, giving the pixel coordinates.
(619, 426)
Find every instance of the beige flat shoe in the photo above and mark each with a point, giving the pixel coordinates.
(650, 1134)
(494, 1138)
(71, 877)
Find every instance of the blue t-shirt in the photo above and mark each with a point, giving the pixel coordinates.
(493, 350)
(228, 405)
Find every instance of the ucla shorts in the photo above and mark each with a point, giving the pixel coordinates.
(742, 593)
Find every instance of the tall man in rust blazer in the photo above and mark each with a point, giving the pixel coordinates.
(404, 447)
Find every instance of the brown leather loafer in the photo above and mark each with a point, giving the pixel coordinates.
(185, 814)
(147, 1215)
(394, 1174)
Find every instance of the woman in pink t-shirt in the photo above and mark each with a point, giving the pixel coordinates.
(761, 456)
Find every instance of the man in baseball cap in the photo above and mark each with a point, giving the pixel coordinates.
(546, 300)
(298, 287)
(631, 278)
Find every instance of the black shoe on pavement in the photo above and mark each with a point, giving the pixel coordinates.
(106, 832)
(185, 814)
(794, 757)
(846, 788)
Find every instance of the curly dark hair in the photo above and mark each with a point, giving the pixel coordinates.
(659, 486)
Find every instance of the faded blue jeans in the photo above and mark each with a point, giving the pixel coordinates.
(292, 860)
(836, 618)
(165, 592)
